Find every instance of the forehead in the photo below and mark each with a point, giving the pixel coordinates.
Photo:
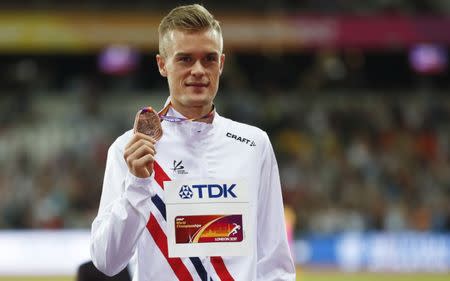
(190, 42)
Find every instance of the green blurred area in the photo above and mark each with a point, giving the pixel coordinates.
(301, 276)
(339, 276)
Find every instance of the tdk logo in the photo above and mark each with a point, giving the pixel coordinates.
(241, 139)
(185, 192)
(208, 191)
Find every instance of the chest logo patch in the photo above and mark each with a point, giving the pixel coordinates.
(241, 139)
(178, 167)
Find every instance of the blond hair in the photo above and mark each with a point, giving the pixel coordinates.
(190, 18)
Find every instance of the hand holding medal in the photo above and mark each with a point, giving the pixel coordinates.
(140, 151)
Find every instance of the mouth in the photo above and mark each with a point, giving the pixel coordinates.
(197, 84)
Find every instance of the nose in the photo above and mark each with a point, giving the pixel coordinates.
(197, 69)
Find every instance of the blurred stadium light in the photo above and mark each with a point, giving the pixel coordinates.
(43, 252)
(377, 252)
(78, 31)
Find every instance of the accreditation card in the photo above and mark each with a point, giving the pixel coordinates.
(207, 217)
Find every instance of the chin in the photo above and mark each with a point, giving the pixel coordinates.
(198, 103)
(198, 92)
(197, 100)
(198, 97)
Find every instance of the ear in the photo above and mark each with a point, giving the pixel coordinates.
(222, 62)
(161, 65)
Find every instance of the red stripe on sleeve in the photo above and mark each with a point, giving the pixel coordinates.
(160, 175)
(160, 238)
(221, 269)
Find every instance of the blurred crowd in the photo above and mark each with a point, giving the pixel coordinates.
(353, 155)
(366, 164)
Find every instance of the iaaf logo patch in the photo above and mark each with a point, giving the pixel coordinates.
(241, 139)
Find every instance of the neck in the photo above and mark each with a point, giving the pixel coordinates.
(193, 112)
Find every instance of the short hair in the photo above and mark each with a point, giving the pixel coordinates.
(190, 18)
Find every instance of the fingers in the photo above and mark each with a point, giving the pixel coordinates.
(139, 155)
(136, 141)
(142, 167)
(144, 161)
(138, 136)
(139, 148)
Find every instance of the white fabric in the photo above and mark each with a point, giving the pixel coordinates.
(216, 150)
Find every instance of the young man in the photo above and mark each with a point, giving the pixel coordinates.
(197, 140)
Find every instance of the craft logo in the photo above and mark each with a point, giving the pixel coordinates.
(241, 139)
(185, 192)
(208, 191)
(179, 168)
(208, 228)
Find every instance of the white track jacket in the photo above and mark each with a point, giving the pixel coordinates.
(132, 222)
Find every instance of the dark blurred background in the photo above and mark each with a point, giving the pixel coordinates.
(355, 96)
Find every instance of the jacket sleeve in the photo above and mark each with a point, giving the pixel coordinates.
(274, 257)
(123, 213)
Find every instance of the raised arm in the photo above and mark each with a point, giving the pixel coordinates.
(124, 206)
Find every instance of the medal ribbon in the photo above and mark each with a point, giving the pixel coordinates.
(163, 115)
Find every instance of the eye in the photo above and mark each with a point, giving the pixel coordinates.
(211, 58)
(185, 59)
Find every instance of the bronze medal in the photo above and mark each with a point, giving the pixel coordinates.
(147, 122)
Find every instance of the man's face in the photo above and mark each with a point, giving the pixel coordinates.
(193, 63)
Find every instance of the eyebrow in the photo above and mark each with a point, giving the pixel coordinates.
(190, 54)
(182, 54)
